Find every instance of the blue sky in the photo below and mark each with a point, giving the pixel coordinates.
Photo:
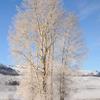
(88, 14)
(7, 11)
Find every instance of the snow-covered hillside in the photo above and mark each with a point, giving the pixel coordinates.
(8, 79)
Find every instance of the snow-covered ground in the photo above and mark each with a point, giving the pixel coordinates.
(7, 92)
(84, 88)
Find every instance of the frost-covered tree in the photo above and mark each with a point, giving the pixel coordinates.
(41, 34)
(73, 51)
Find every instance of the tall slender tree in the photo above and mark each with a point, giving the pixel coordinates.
(72, 53)
(41, 34)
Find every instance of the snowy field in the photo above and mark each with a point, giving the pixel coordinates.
(7, 92)
(85, 88)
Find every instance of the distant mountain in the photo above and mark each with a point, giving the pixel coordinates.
(89, 73)
(5, 70)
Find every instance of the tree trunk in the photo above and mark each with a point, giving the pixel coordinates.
(62, 87)
(44, 78)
